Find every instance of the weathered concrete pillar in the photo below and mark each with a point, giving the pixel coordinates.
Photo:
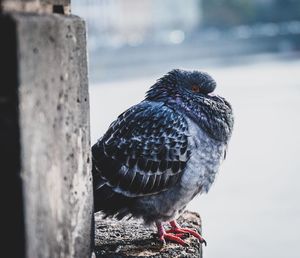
(44, 129)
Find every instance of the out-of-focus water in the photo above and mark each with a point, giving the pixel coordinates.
(253, 208)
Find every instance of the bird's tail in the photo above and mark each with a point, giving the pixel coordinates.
(112, 204)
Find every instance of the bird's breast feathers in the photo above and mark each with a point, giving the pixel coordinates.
(206, 157)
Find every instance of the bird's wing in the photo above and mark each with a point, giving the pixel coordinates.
(144, 151)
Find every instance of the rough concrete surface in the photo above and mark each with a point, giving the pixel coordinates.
(118, 239)
(53, 122)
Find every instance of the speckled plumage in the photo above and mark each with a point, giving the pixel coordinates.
(163, 151)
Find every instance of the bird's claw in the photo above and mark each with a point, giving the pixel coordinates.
(178, 231)
(172, 237)
(178, 234)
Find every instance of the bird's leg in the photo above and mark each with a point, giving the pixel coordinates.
(163, 235)
(176, 229)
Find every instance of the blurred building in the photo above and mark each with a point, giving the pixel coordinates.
(132, 22)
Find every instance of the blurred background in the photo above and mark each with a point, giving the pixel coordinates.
(252, 49)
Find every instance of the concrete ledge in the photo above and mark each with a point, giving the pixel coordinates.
(118, 239)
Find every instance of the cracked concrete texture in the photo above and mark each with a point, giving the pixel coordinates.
(118, 239)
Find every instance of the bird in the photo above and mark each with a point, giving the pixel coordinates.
(162, 152)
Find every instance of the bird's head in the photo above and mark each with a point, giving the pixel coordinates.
(192, 93)
(181, 83)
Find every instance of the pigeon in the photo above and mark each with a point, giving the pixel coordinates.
(159, 154)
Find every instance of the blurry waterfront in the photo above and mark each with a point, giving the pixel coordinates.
(140, 38)
(253, 208)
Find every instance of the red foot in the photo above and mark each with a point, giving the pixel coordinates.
(173, 238)
(176, 229)
(163, 235)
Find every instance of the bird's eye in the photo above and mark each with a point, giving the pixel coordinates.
(195, 88)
